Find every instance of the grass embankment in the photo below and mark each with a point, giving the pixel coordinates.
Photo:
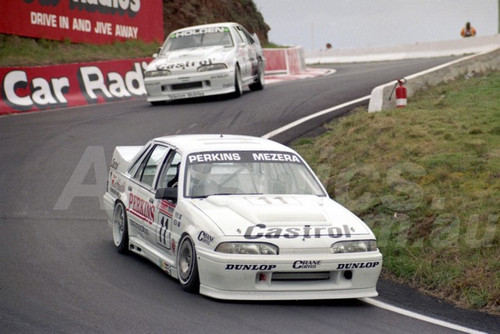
(426, 179)
(23, 51)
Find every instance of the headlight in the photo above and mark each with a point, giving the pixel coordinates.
(354, 246)
(247, 248)
(159, 73)
(212, 67)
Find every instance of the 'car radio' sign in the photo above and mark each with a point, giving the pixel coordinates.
(48, 87)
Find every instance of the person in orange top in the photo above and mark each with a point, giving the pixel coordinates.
(468, 31)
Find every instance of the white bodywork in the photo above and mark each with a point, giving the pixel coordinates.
(297, 220)
(205, 60)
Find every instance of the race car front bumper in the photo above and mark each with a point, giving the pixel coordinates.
(290, 277)
(190, 85)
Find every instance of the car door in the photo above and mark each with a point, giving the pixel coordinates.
(165, 209)
(252, 56)
(243, 53)
(141, 193)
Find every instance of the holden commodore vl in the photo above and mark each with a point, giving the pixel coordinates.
(205, 60)
(238, 218)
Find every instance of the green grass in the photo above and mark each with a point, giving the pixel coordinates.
(22, 51)
(271, 45)
(426, 179)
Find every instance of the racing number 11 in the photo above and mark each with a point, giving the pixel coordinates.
(162, 233)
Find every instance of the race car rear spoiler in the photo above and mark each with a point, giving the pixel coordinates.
(123, 157)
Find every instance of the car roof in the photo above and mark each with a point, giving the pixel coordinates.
(223, 24)
(221, 142)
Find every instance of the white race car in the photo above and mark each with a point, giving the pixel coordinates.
(238, 217)
(205, 60)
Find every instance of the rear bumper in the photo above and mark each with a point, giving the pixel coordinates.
(109, 206)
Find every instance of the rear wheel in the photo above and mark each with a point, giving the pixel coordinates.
(259, 83)
(120, 228)
(187, 265)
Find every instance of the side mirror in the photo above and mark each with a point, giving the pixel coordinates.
(167, 193)
(155, 55)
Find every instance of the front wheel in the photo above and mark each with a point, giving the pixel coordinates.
(238, 83)
(187, 265)
(120, 228)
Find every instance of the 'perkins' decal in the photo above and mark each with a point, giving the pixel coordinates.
(262, 231)
(212, 157)
(141, 208)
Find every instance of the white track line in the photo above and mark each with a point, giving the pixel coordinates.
(307, 118)
(372, 301)
(418, 316)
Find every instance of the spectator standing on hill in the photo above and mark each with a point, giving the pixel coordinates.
(468, 31)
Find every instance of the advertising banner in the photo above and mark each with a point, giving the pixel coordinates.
(48, 87)
(84, 21)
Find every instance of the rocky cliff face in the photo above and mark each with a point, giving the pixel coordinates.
(183, 13)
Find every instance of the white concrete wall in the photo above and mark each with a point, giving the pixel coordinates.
(382, 99)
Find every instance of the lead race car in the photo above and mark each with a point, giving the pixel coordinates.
(205, 60)
(239, 218)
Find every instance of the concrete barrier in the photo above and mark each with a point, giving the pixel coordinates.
(457, 47)
(276, 62)
(382, 97)
(289, 61)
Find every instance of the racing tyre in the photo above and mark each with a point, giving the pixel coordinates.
(259, 84)
(238, 83)
(187, 265)
(120, 228)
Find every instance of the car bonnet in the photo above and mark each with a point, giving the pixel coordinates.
(275, 216)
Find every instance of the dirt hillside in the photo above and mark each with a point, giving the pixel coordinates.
(182, 13)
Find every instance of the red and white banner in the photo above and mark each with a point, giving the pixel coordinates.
(88, 21)
(48, 87)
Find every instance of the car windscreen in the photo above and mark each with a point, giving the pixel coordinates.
(197, 38)
(248, 173)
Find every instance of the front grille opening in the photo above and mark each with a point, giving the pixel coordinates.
(187, 85)
(301, 276)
